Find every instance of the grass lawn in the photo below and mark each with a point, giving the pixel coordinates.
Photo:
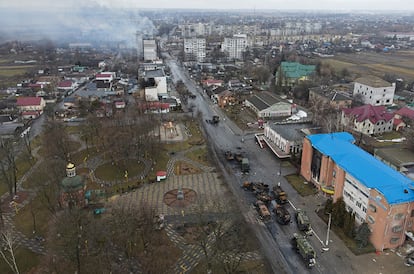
(26, 260)
(297, 182)
(79, 157)
(199, 155)
(110, 172)
(251, 267)
(24, 220)
(10, 71)
(349, 242)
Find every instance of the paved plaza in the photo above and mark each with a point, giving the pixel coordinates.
(208, 188)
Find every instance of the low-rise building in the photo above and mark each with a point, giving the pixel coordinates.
(374, 91)
(376, 193)
(291, 73)
(368, 119)
(160, 83)
(330, 96)
(266, 105)
(400, 159)
(285, 140)
(30, 105)
(401, 116)
(225, 98)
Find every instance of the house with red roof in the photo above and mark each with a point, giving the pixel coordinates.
(66, 85)
(155, 107)
(401, 116)
(368, 119)
(105, 76)
(30, 107)
(212, 82)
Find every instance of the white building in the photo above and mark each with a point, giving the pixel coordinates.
(368, 119)
(195, 49)
(355, 196)
(150, 50)
(374, 90)
(160, 84)
(235, 46)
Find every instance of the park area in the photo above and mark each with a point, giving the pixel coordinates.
(123, 183)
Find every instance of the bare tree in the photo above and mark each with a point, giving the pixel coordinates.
(324, 115)
(57, 141)
(8, 168)
(8, 242)
(218, 231)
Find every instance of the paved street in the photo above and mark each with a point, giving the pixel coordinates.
(264, 165)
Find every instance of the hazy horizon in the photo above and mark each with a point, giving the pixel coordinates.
(299, 5)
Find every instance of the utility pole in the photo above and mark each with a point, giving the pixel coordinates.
(327, 233)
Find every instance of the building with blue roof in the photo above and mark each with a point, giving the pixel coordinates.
(376, 193)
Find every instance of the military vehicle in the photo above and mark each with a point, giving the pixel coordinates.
(263, 211)
(280, 195)
(214, 121)
(239, 157)
(264, 197)
(229, 155)
(245, 167)
(305, 249)
(282, 214)
(256, 187)
(303, 222)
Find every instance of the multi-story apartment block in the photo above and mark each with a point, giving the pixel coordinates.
(374, 90)
(235, 46)
(376, 193)
(150, 50)
(195, 49)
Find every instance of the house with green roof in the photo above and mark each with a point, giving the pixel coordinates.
(291, 73)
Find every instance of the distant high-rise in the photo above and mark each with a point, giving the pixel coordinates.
(140, 46)
(195, 49)
(235, 46)
(150, 50)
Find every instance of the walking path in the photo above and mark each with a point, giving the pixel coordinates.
(21, 239)
(205, 183)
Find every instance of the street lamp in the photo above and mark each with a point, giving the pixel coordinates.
(280, 169)
(326, 248)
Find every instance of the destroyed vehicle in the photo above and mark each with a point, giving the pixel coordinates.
(282, 215)
(279, 194)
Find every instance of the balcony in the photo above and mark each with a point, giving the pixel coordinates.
(328, 189)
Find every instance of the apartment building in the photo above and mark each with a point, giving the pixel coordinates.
(376, 193)
(374, 91)
(195, 49)
(150, 50)
(235, 46)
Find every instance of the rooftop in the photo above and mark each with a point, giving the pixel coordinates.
(29, 101)
(406, 112)
(368, 170)
(154, 73)
(296, 70)
(291, 132)
(372, 81)
(373, 113)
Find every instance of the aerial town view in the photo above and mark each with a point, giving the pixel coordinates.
(207, 137)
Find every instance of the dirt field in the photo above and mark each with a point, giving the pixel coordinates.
(400, 63)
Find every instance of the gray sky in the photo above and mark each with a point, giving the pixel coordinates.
(383, 5)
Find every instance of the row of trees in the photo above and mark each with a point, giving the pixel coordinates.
(346, 221)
